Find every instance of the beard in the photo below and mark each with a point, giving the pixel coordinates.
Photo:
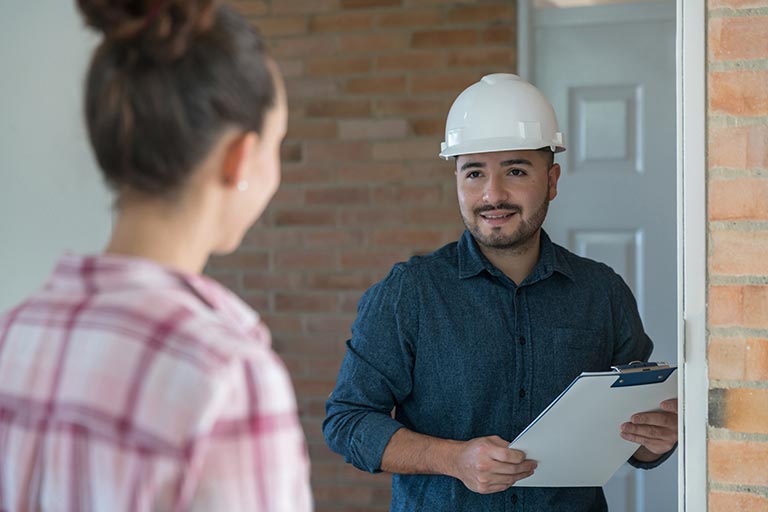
(525, 232)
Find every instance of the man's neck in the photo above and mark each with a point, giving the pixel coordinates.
(515, 263)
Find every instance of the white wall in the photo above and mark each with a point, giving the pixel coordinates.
(51, 195)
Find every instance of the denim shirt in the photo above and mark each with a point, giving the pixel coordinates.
(460, 351)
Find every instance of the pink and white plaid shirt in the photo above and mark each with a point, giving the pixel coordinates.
(128, 386)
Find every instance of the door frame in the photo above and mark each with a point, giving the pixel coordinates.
(691, 237)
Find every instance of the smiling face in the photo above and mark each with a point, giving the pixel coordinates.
(504, 196)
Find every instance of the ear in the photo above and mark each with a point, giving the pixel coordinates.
(553, 176)
(237, 155)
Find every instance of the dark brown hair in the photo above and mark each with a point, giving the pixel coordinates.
(168, 78)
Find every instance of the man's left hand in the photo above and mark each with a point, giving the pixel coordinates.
(655, 432)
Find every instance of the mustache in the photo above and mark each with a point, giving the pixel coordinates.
(500, 206)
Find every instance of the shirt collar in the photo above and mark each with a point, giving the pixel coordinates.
(472, 261)
(109, 272)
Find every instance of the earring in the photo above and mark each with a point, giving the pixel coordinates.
(242, 185)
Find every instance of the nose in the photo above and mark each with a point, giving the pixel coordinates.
(494, 192)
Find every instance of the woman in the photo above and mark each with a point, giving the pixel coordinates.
(131, 381)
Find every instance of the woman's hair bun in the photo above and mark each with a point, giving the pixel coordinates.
(159, 29)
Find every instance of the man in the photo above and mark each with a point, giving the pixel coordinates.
(470, 343)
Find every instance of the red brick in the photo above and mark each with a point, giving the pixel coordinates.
(738, 199)
(291, 68)
(376, 85)
(746, 410)
(338, 196)
(301, 174)
(756, 355)
(725, 305)
(270, 238)
(483, 57)
(412, 149)
(738, 462)
(341, 22)
(296, 217)
(305, 302)
(482, 13)
(739, 252)
(270, 281)
(738, 93)
(339, 281)
(368, 4)
(373, 172)
(376, 42)
(339, 108)
(312, 345)
(291, 152)
(405, 194)
(379, 216)
(738, 147)
(411, 106)
(726, 358)
(315, 87)
(286, 26)
(240, 260)
(743, 37)
(373, 129)
(419, 18)
(337, 151)
(303, 6)
(443, 38)
(288, 195)
(412, 238)
(435, 216)
(298, 259)
(339, 66)
(428, 126)
(331, 238)
(282, 324)
(301, 46)
(231, 280)
(311, 129)
(329, 323)
(250, 8)
(737, 4)
(372, 259)
(756, 307)
(444, 82)
(407, 61)
(723, 501)
(350, 300)
(257, 301)
(498, 35)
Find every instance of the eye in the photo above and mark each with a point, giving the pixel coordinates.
(517, 172)
(473, 174)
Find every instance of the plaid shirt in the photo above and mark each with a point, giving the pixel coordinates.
(128, 386)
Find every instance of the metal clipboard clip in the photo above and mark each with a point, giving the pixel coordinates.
(638, 373)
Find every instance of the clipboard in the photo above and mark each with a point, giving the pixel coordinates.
(576, 440)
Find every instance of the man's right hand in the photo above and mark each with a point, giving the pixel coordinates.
(486, 465)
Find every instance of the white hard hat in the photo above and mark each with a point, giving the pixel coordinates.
(501, 112)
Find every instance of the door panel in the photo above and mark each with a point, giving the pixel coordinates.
(609, 71)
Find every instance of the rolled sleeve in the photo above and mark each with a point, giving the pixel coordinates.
(650, 465)
(375, 376)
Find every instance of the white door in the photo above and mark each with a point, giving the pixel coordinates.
(610, 74)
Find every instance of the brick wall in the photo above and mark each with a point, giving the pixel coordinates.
(369, 85)
(738, 255)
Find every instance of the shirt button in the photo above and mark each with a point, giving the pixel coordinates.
(522, 392)
(514, 499)
(522, 340)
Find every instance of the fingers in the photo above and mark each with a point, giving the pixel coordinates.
(659, 419)
(657, 446)
(498, 483)
(670, 405)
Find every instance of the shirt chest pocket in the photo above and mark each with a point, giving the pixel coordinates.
(578, 350)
